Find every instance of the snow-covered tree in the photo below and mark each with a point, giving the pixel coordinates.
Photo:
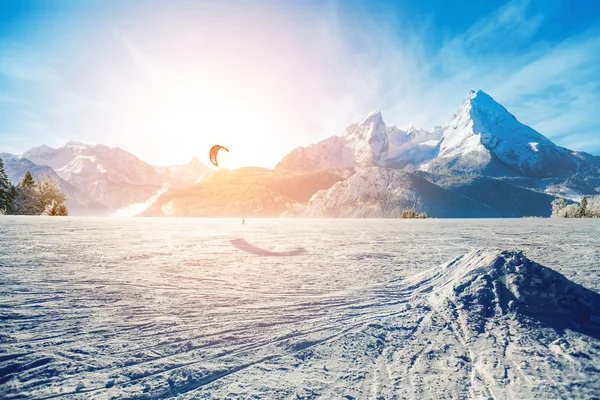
(588, 208)
(558, 205)
(26, 199)
(48, 194)
(413, 214)
(43, 197)
(5, 188)
(570, 211)
(593, 207)
(55, 209)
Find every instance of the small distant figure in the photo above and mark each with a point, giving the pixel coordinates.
(243, 221)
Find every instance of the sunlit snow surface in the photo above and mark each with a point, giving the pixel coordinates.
(150, 308)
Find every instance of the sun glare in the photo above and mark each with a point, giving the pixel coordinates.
(197, 116)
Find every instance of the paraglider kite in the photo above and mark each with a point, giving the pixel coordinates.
(213, 153)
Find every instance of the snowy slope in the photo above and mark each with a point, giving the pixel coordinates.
(328, 153)
(371, 192)
(184, 175)
(167, 308)
(377, 192)
(483, 137)
(412, 147)
(504, 324)
(369, 142)
(110, 176)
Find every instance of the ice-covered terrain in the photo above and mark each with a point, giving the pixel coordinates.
(291, 308)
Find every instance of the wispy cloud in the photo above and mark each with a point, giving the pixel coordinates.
(289, 75)
(551, 86)
(146, 64)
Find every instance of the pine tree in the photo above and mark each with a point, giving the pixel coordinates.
(27, 180)
(27, 201)
(13, 200)
(583, 207)
(5, 188)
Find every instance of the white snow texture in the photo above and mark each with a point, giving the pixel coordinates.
(368, 309)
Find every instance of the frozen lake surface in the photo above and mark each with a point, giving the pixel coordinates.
(290, 308)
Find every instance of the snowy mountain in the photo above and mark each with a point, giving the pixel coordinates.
(484, 138)
(480, 142)
(245, 192)
(77, 201)
(385, 192)
(369, 142)
(451, 167)
(184, 175)
(110, 176)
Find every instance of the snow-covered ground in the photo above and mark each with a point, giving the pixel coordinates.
(150, 308)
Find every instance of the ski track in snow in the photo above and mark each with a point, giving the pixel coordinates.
(150, 308)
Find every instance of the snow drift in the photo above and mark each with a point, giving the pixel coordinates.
(524, 330)
(483, 285)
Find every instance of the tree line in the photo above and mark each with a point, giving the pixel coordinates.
(28, 197)
(587, 208)
(413, 214)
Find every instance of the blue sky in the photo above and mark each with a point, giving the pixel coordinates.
(166, 79)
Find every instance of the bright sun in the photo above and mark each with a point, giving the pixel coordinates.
(194, 117)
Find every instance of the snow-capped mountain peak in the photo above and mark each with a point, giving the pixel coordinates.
(369, 139)
(74, 143)
(483, 136)
(373, 117)
(370, 142)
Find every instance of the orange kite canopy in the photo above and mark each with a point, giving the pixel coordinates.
(213, 153)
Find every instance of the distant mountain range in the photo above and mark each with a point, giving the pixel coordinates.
(482, 163)
(99, 180)
(482, 138)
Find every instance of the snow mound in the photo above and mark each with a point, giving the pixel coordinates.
(485, 284)
(504, 327)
